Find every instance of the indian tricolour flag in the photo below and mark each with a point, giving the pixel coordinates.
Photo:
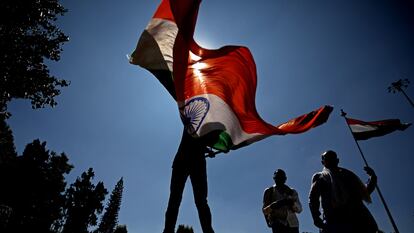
(214, 89)
(362, 130)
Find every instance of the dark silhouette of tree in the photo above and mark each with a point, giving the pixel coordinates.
(32, 194)
(33, 197)
(7, 149)
(32, 186)
(184, 229)
(34, 189)
(5, 213)
(110, 218)
(7, 156)
(83, 203)
(399, 86)
(28, 36)
(121, 229)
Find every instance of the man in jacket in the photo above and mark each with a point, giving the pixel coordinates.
(341, 194)
(280, 205)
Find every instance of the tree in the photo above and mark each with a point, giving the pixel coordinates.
(83, 203)
(110, 218)
(28, 36)
(184, 229)
(399, 86)
(121, 229)
(35, 186)
(7, 148)
(33, 197)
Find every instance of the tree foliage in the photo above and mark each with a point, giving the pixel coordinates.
(184, 229)
(33, 192)
(7, 149)
(35, 188)
(109, 219)
(34, 196)
(28, 36)
(83, 203)
(121, 229)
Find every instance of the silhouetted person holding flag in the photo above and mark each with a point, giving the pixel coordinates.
(280, 205)
(189, 162)
(341, 194)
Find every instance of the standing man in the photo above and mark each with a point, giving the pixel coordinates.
(189, 162)
(280, 205)
(341, 194)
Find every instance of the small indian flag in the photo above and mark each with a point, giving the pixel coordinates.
(214, 89)
(362, 130)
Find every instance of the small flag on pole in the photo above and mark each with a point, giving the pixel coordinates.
(362, 130)
(214, 89)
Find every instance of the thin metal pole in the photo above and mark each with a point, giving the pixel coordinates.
(210, 153)
(343, 114)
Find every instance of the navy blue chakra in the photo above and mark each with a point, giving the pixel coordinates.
(193, 113)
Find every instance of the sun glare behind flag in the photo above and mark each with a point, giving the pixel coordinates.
(362, 130)
(214, 89)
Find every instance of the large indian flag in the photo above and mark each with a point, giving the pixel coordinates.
(214, 89)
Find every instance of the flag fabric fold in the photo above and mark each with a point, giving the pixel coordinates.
(214, 89)
(362, 130)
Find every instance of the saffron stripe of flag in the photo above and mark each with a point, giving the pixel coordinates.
(214, 89)
(362, 130)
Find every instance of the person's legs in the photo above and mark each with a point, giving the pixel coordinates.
(198, 176)
(339, 226)
(278, 227)
(274, 229)
(178, 179)
(364, 221)
(293, 229)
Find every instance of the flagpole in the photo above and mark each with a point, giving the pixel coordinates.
(209, 153)
(343, 114)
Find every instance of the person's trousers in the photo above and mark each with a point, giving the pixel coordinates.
(278, 227)
(198, 177)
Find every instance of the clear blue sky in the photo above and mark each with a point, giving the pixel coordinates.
(117, 118)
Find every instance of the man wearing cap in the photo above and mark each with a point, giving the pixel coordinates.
(341, 194)
(280, 205)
